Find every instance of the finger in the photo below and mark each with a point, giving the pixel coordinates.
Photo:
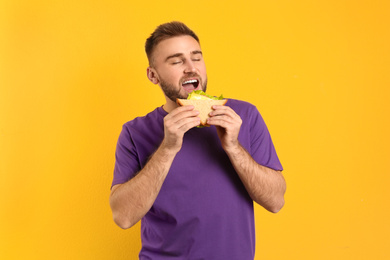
(222, 121)
(187, 123)
(180, 109)
(221, 110)
(190, 124)
(179, 114)
(178, 121)
(225, 118)
(182, 118)
(219, 107)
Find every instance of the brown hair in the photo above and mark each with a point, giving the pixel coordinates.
(166, 31)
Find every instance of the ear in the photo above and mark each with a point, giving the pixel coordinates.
(152, 75)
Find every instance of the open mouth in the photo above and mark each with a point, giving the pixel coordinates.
(190, 84)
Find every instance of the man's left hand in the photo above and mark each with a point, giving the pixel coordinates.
(228, 125)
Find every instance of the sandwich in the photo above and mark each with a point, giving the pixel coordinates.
(202, 103)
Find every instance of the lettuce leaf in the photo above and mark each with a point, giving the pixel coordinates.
(199, 95)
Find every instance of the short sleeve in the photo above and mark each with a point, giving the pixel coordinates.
(126, 158)
(262, 147)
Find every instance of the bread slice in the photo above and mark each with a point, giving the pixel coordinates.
(203, 106)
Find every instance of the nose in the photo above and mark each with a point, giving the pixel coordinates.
(190, 67)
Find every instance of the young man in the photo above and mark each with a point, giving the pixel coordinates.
(193, 187)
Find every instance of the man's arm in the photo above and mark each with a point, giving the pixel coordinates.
(130, 201)
(264, 185)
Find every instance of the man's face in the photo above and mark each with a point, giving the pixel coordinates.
(179, 67)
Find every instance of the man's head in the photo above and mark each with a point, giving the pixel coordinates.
(175, 61)
(166, 31)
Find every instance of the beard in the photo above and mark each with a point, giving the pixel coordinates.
(172, 92)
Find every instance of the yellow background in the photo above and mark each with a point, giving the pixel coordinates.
(72, 72)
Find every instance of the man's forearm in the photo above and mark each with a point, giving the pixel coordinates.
(132, 200)
(264, 185)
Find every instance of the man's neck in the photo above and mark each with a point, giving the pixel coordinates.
(169, 105)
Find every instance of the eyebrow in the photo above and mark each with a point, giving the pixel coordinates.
(174, 56)
(197, 52)
(181, 54)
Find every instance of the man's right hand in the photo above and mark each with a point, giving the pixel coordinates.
(176, 124)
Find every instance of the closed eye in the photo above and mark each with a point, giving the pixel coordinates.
(176, 62)
(197, 57)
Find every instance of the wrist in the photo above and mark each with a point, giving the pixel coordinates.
(233, 149)
(168, 149)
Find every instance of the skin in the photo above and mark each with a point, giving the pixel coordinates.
(175, 60)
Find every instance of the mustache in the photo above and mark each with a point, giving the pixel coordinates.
(188, 76)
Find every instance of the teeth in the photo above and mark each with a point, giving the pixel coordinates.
(190, 81)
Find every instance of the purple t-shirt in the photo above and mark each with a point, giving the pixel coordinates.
(203, 210)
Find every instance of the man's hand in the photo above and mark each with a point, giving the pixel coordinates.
(176, 124)
(228, 125)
